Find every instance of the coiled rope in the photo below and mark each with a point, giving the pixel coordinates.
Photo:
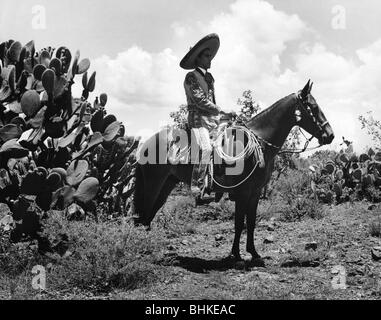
(252, 147)
(235, 185)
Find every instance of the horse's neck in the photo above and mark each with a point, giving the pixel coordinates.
(275, 123)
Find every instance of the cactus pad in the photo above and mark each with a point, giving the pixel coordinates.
(87, 190)
(103, 99)
(83, 66)
(330, 168)
(76, 172)
(30, 103)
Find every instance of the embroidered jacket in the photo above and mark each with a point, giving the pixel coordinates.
(202, 108)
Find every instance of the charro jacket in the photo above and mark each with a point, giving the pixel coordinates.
(202, 108)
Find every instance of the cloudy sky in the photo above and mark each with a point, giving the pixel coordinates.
(270, 47)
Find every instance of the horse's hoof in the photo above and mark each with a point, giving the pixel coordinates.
(232, 258)
(235, 262)
(239, 265)
(257, 262)
(137, 221)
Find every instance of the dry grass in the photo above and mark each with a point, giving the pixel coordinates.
(375, 227)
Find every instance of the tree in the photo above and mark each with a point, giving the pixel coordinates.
(373, 128)
(249, 107)
(180, 117)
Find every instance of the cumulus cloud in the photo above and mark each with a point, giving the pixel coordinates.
(344, 88)
(138, 77)
(180, 30)
(255, 39)
(143, 87)
(250, 50)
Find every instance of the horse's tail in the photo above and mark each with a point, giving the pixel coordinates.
(139, 195)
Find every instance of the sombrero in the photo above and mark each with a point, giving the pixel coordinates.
(211, 41)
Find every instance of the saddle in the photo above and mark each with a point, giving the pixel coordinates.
(231, 143)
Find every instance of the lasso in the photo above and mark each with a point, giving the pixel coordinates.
(251, 146)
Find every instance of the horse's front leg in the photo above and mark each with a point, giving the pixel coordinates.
(239, 219)
(251, 214)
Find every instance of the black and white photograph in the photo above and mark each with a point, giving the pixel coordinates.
(190, 155)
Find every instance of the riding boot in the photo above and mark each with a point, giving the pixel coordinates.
(201, 158)
(199, 184)
(195, 188)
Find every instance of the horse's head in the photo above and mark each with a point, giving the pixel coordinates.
(311, 118)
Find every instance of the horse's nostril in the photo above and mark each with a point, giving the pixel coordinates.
(326, 138)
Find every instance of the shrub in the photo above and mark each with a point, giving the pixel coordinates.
(19, 258)
(292, 183)
(300, 207)
(375, 228)
(105, 255)
(222, 211)
(294, 198)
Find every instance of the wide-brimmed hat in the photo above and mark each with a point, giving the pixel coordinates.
(211, 41)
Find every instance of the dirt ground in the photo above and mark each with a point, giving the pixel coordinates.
(304, 260)
(328, 258)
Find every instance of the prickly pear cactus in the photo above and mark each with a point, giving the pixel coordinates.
(56, 151)
(350, 177)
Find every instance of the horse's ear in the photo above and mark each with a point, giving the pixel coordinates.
(306, 90)
(310, 87)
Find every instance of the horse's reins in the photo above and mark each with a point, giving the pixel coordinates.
(301, 103)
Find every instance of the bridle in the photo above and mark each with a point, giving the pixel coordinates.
(301, 105)
(305, 104)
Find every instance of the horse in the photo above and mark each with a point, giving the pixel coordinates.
(154, 182)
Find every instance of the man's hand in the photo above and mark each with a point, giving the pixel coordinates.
(231, 114)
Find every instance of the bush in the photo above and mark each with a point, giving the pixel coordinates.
(375, 228)
(292, 183)
(294, 198)
(301, 207)
(222, 211)
(105, 255)
(19, 258)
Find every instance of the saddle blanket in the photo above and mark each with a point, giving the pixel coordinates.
(229, 143)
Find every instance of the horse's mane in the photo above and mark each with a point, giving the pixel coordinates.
(266, 111)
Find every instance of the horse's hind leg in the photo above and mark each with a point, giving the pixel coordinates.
(251, 214)
(154, 178)
(168, 186)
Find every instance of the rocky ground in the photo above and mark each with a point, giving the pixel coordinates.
(304, 260)
(335, 257)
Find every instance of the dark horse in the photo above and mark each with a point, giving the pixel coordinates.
(154, 182)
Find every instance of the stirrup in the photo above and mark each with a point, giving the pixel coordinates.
(200, 200)
(207, 187)
(209, 177)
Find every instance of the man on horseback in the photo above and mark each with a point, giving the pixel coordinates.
(203, 113)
